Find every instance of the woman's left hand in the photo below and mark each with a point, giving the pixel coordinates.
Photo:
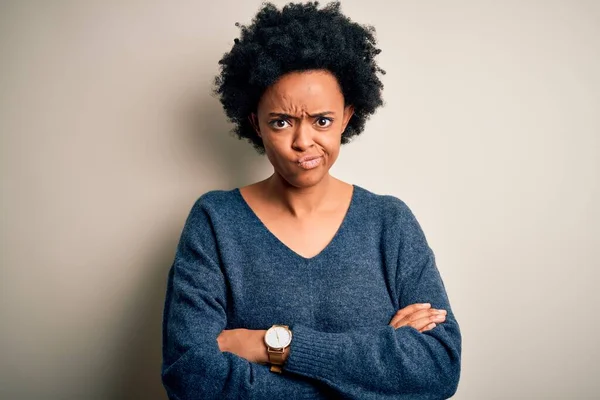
(246, 343)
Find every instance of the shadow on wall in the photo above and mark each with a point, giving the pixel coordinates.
(222, 158)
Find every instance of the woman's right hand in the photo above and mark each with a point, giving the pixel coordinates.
(420, 316)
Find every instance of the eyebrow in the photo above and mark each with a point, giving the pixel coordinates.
(288, 116)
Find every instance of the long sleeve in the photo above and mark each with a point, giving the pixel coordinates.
(195, 314)
(385, 362)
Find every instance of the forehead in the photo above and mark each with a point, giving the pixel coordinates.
(309, 91)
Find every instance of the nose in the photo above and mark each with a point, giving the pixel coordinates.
(303, 136)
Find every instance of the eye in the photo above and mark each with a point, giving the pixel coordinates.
(324, 122)
(279, 124)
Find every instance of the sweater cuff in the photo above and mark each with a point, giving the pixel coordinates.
(270, 385)
(314, 353)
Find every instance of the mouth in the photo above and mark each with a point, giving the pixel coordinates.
(310, 162)
(307, 158)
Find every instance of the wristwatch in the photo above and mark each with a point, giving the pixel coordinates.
(277, 339)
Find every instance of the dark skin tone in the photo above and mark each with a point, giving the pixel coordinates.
(303, 114)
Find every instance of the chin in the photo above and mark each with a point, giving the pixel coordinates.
(307, 178)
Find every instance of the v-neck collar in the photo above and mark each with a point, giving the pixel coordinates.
(280, 243)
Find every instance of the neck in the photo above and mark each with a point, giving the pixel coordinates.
(300, 202)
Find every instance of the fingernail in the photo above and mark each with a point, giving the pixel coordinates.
(442, 311)
(425, 305)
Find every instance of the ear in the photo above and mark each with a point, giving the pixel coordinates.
(348, 113)
(254, 121)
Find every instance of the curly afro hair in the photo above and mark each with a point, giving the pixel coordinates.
(297, 38)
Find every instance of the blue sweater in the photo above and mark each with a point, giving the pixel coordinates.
(231, 272)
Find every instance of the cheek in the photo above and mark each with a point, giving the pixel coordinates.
(332, 143)
(275, 145)
(275, 152)
(271, 155)
(333, 155)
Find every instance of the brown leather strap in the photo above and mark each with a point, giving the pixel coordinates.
(276, 356)
(276, 368)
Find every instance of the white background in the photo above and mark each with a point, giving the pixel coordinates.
(490, 133)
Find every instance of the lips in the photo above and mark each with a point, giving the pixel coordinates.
(310, 163)
(307, 158)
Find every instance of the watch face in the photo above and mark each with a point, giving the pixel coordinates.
(278, 337)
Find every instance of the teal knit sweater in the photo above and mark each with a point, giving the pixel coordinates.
(231, 272)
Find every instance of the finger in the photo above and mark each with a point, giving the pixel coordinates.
(421, 323)
(417, 315)
(432, 315)
(428, 327)
(403, 316)
(432, 312)
(408, 310)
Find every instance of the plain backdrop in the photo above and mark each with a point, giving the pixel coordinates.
(490, 133)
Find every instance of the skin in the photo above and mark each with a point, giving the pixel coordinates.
(303, 114)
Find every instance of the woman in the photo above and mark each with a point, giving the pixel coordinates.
(301, 285)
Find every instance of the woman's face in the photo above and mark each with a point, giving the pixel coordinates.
(302, 115)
